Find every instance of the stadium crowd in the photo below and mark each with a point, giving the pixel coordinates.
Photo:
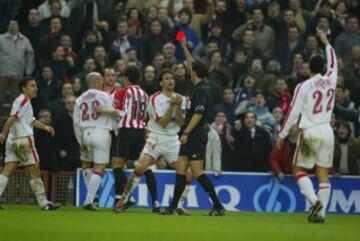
(256, 51)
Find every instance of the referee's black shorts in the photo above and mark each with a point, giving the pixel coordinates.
(128, 144)
(195, 148)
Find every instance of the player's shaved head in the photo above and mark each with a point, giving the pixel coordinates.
(94, 80)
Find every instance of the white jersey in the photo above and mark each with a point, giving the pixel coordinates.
(313, 100)
(159, 104)
(85, 115)
(23, 111)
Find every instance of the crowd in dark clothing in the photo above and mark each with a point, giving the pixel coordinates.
(256, 51)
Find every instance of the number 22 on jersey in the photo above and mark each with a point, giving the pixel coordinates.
(318, 97)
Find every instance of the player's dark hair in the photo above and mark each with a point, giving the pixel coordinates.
(200, 69)
(133, 74)
(24, 82)
(317, 64)
(163, 72)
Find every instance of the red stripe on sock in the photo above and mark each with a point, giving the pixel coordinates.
(300, 175)
(98, 173)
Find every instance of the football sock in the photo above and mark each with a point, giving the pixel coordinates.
(151, 184)
(120, 181)
(131, 184)
(306, 187)
(184, 195)
(208, 186)
(180, 183)
(86, 173)
(37, 186)
(94, 184)
(3, 183)
(324, 196)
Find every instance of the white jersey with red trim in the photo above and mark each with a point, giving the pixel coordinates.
(117, 118)
(314, 99)
(159, 104)
(132, 102)
(85, 115)
(23, 111)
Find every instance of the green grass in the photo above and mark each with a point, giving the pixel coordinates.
(23, 223)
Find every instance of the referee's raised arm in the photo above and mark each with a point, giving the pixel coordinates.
(188, 56)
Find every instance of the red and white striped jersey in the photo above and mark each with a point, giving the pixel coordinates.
(23, 112)
(314, 99)
(132, 102)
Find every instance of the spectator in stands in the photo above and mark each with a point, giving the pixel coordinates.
(264, 117)
(203, 52)
(45, 8)
(153, 41)
(66, 43)
(296, 62)
(216, 34)
(264, 34)
(66, 143)
(352, 74)
(87, 15)
(311, 47)
(347, 151)
(227, 106)
(131, 55)
(57, 106)
(279, 118)
(213, 155)
(183, 83)
(14, 64)
(327, 25)
(192, 37)
(169, 53)
(280, 159)
(341, 99)
(55, 10)
(158, 61)
(32, 28)
(49, 89)
(5, 14)
(88, 66)
(252, 146)
(167, 23)
(244, 94)
(222, 18)
(347, 39)
(64, 68)
(248, 45)
(77, 86)
(238, 11)
(302, 16)
(100, 58)
(148, 83)
(281, 97)
(218, 71)
(44, 143)
(48, 42)
(288, 47)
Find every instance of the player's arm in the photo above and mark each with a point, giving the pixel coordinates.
(295, 110)
(179, 110)
(331, 66)
(107, 111)
(39, 125)
(188, 56)
(7, 126)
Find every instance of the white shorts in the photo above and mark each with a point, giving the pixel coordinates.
(315, 146)
(21, 150)
(158, 146)
(96, 145)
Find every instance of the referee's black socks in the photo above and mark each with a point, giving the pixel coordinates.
(151, 184)
(120, 181)
(208, 186)
(180, 184)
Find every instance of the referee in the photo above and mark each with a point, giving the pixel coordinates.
(194, 138)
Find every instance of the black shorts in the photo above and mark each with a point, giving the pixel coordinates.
(195, 148)
(128, 143)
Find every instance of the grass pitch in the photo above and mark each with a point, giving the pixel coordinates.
(26, 223)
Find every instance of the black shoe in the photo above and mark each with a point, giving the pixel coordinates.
(129, 204)
(318, 220)
(217, 212)
(167, 211)
(119, 206)
(51, 206)
(156, 207)
(90, 207)
(314, 210)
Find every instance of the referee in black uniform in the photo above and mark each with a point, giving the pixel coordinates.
(194, 138)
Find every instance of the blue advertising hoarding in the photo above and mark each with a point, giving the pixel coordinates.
(238, 192)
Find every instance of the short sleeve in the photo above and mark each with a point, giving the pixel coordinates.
(200, 101)
(17, 106)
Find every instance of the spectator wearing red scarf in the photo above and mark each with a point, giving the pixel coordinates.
(281, 97)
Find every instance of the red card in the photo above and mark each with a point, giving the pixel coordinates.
(180, 36)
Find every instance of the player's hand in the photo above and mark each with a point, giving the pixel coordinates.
(279, 143)
(173, 99)
(50, 130)
(323, 37)
(179, 99)
(98, 109)
(184, 139)
(2, 138)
